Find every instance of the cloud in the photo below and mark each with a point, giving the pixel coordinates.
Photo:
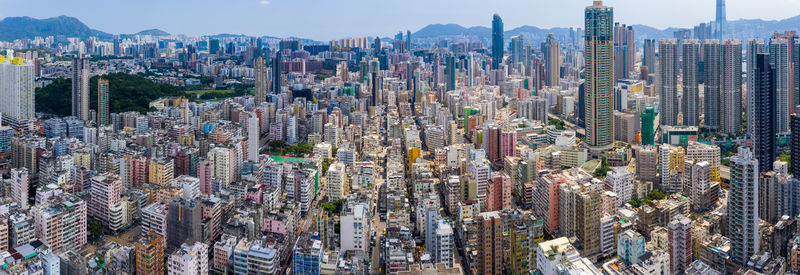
(264, 2)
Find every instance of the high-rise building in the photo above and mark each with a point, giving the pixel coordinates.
(517, 46)
(184, 222)
(795, 143)
(731, 87)
(253, 137)
(260, 75)
(154, 218)
(490, 243)
(103, 116)
(189, 259)
(587, 221)
(61, 222)
(630, 247)
(497, 41)
(649, 56)
(451, 72)
(277, 68)
(648, 130)
(719, 21)
(764, 112)
(17, 91)
(150, 254)
(671, 163)
(668, 68)
(624, 51)
(780, 60)
(18, 186)
(680, 243)
(647, 163)
(712, 72)
(691, 96)
(743, 206)
(754, 47)
(105, 204)
(599, 74)
(307, 255)
(80, 88)
(552, 61)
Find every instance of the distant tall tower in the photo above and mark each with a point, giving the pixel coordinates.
(259, 69)
(691, 100)
(552, 61)
(624, 51)
(712, 81)
(649, 56)
(451, 72)
(731, 87)
(743, 215)
(780, 58)
(668, 69)
(277, 66)
(497, 41)
(720, 19)
(408, 41)
(754, 47)
(80, 88)
(764, 112)
(599, 74)
(516, 49)
(103, 117)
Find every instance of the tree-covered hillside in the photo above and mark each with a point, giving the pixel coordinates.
(127, 93)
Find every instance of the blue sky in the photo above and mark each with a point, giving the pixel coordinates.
(332, 19)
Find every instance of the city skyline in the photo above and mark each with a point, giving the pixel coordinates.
(275, 18)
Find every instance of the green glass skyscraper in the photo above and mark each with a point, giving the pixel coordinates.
(451, 72)
(599, 74)
(497, 41)
(648, 133)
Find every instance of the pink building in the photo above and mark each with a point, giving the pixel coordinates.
(508, 142)
(545, 199)
(499, 193)
(205, 174)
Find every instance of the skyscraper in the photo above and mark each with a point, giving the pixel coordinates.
(497, 41)
(552, 61)
(451, 72)
(764, 112)
(720, 19)
(711, 78)
(624, 51)
(517, 44)
(731, 86)
(260, 72)
(277, 66)
(80, 88)
(668, 68)
(17, 90)
(103, 116)
(648, 130)
(690, 107)
(795, 144)
(743, 206)
(649, 56)
(780, 59)
(754, 47)
(599, 74)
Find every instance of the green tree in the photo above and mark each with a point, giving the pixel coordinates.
(655, 195)
(96, 229)
(786, 156)
(603, 169)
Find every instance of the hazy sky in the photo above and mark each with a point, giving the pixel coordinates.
(331, 19)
